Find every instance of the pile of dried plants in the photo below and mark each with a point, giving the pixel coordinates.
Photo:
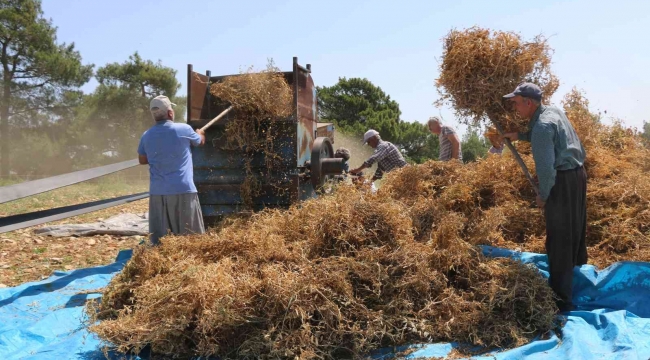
(336, 277)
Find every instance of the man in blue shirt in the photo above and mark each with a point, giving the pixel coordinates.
(173, 201)
(559, 158)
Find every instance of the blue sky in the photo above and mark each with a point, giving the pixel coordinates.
(600, 47)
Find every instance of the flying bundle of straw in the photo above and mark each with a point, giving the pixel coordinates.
(479, 66)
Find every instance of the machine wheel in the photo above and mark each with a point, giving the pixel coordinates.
(321, 150)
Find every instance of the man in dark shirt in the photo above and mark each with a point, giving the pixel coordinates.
(559, 158)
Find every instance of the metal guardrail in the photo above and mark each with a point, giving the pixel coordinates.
(29, 188)
(20, 221)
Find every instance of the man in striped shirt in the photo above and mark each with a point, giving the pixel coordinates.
(386, 155)
(449, 143)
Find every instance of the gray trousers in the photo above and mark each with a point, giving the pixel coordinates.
(179, 214)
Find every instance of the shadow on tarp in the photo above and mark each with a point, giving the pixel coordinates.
(42, 321)
(61, 279)
(60, 283)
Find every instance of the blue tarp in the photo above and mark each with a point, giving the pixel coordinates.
(44, 320)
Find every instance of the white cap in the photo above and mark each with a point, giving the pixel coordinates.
(160, 103)
(369, 134)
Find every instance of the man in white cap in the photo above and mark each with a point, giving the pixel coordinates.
(173, 200)
(386, 155)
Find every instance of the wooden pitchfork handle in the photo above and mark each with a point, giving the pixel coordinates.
(518, 158)
(223, 113)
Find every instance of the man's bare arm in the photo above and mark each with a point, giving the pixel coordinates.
(202, 135)
(359, 169)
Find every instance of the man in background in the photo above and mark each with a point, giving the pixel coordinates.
(173, 200)
(449, 142)
(343, 153)
(496, 148)
(386, 155)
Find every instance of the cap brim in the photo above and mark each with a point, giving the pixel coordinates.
(509, 96)
(172, 104)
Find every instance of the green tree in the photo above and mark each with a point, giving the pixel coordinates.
(144, 77)
(36, 73)
(356, 105)
(473, 145)
(116, 114)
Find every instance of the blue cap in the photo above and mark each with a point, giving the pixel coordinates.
(528, 90)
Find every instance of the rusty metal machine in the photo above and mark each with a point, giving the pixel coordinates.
(307, 159)
(325, 130)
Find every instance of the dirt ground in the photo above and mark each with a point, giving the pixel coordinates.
(26, 257)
